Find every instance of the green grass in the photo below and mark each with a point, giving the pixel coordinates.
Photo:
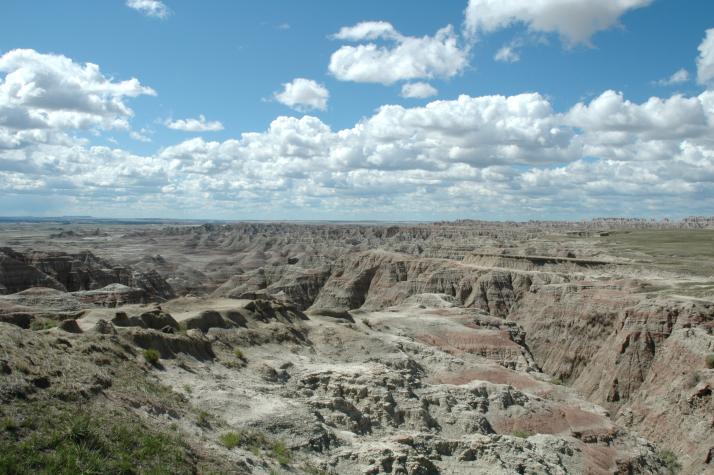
(258, 443)
(281, 453)
(42, 324)
(683, 250)
(151, 356)
(230, 440)
(63, 440)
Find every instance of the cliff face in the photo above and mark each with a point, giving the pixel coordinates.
(376, 279)
(73, 272)
(641, 358)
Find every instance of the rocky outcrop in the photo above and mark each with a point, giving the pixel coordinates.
(378, 279)
(642, 358)
(73, 272)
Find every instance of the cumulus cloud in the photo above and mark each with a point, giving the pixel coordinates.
(705, 61)
(303, 94)
(368, 30)
(495, 156)
(574, 20)
(195, 125)
(48, 91)
(678, 77)
(397, 57)
(152, 8)
(418, 90)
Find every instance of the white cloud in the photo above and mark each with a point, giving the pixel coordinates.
(492, 156)
(678, 77)
(574, 20)
(195, 125)
(153, 8)
(402, 58)
(140, 136)
(303, 94)
(418, 90)
(368, 30)
(507, 54)
(705, 61)
(47, 91)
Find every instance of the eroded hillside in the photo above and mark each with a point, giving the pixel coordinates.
(466, 347)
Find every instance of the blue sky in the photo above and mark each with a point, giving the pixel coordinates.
(571, 123)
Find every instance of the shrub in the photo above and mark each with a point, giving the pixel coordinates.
(151, 356)
(239, 354)
(42, 324)
(520, 433)
(670, 461)
(230, 440)
(709, 360)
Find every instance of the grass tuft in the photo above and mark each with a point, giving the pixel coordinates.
(151, 356)
(230, 440)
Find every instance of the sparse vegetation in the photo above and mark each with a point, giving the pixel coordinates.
(671, 462)
(151, 356)
(203, 419)
(557, 381)
(709, 360)
(230, 440)
(521, 433)
(42, 324)
(281, 453)
(239, 354)
(64, 441)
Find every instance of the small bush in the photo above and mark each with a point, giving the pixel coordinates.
(520, 433)
(230, 440)
(239, 354)
(557, 381)
(151, 356)
(709, 360)
(42, 324)
(281, 453)
(670, 460)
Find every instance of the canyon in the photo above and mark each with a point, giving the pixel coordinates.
(361, 348)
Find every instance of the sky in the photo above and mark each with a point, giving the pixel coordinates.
(370, 110)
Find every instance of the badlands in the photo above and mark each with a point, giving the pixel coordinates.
(357, 348)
